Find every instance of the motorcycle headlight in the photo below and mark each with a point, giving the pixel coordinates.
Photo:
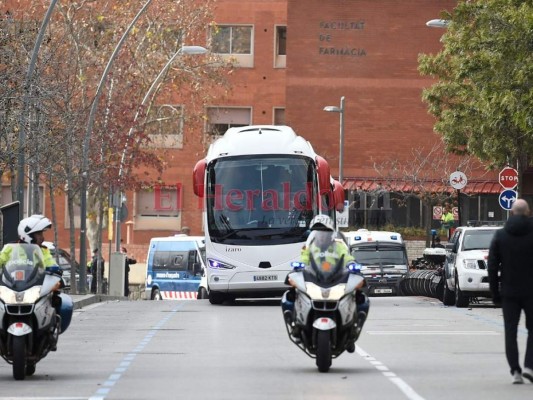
(26, 297)
(218, 265)
(470, 264)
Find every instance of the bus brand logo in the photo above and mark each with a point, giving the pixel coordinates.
(233, 249)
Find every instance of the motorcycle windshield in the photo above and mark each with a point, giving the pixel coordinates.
(326, 267)
(22, 266)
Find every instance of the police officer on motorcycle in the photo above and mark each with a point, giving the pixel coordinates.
(31, 231)
(324, 249)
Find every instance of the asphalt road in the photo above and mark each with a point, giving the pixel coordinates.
(412, 348)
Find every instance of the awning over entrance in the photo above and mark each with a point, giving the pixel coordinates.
(373, 184)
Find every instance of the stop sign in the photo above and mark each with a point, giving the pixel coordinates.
(508, 178)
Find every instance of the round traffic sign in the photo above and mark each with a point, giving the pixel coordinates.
(458, 180)
(507, 198)
(508, 178)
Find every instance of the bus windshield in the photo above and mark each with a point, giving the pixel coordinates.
(263, 200)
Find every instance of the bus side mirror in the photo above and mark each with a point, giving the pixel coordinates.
(198, 176)
(323, 174)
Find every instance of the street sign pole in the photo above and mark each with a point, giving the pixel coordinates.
(458, 181)
(508, 178)
(459, 206)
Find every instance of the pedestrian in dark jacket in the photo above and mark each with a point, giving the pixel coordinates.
(127, 262)
(510, 267)
(94, 269)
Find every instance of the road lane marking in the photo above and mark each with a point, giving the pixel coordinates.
(475, 333)
(127, 360)
(407, 390)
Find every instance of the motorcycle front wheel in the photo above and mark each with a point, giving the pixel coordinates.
(323, 351)
(19, 357)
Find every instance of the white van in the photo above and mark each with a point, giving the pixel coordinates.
(383, 259)
(174, 268)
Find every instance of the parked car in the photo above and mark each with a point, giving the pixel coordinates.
(465, 268)
(64, 261)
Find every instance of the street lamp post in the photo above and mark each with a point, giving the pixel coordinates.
(85, 150)
(438, 23)
(192, 50)
(27, 90)
(339, 110)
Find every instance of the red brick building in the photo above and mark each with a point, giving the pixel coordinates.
(296, 57)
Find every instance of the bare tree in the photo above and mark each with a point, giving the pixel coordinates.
(424, 177)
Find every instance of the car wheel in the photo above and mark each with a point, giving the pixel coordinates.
(448, 297)
(216, 297)
(202, 293)
(461, 300)
(156, 295)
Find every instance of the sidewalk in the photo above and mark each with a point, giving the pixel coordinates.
(83, 300)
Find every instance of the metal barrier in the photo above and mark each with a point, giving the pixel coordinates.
(424, 282)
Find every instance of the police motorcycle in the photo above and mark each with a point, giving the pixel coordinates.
(325, 310)
(32, 313)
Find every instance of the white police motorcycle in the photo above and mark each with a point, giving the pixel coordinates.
(29, 322)
(325, 311)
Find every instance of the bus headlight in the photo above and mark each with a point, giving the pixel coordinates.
(218, 265)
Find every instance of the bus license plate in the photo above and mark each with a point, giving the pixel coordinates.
(382, 290)
(265, 277)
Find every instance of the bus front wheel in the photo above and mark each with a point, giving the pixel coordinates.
(216, 297)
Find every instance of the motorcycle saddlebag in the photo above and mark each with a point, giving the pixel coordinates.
(67, 306)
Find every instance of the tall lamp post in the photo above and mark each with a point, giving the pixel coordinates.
(85, 150)
(339, 110)
(27, 90)
(191, 50)
(438, 23)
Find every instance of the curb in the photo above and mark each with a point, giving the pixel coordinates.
(81, 301)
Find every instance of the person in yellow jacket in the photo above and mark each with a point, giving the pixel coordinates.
(325, 246)
(31, 231)
(447, 220)
(325, 254)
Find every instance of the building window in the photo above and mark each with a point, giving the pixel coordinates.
(164, 126)
(8, 198)
(227, 39)
(233, 43)
(160, 202)
(280, 56)
(279, 116)
(220, 119)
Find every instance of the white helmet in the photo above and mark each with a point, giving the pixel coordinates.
(30, 225)
(322, 222)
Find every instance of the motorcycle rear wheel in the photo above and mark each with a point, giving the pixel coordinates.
(19, 358)
(323, 351)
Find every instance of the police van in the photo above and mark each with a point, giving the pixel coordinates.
(383, 259)
(174, 268)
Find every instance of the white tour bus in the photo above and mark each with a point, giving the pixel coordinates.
(261, 186)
